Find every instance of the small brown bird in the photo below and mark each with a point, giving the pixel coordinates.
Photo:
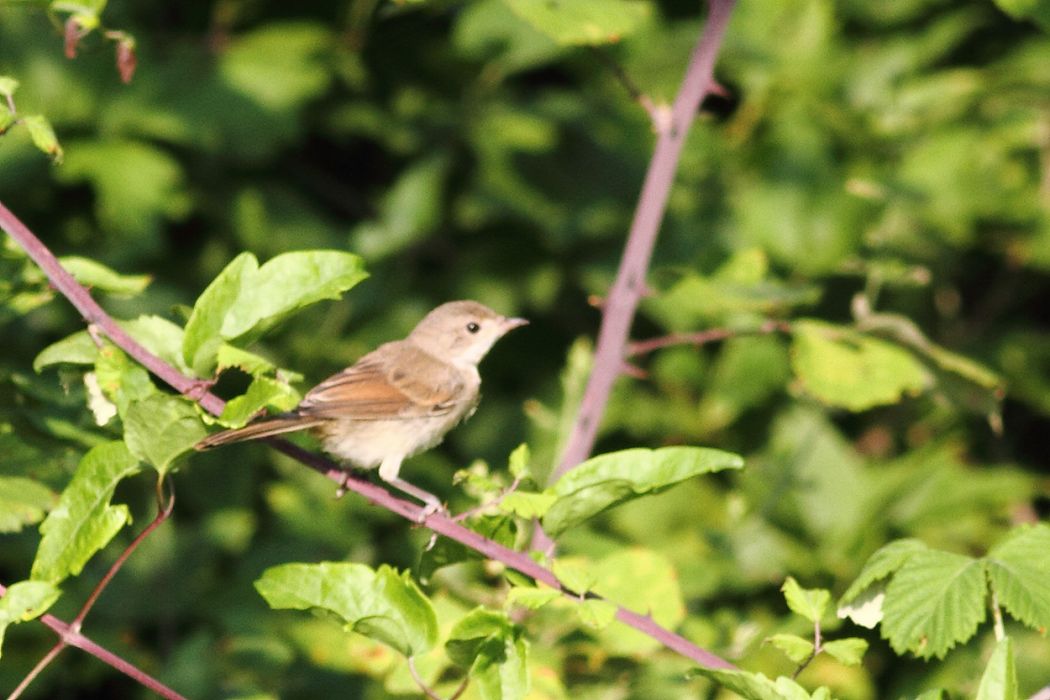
(398, 400)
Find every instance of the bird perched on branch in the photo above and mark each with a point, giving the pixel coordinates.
(398, 400)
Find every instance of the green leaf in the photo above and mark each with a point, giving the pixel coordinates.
(849, 651)
(23, 502)
(24, 601)
(1019, 571)
(756, 686)
(378, 603)
(611, 479)
(262, 393)
(810, 603)
(1036, 10)
(76, 349)
(646, 582)
(935, 600)
(575, 573)
(796, 648)
(97, 276)
(842, 367)
(518, 463)
(583, 22)
(120, 378)
(43, 136)
(232, 356)
(83, 522)
(160, 427)
(494, 650)
(526, 504)
(245, 299)
(596, 614)
(529, 597)
(158, 335)
(881, 564)
(999, 681)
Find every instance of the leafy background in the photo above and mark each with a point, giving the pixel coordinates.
(898, 151)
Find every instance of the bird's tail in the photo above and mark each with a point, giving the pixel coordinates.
(260, 429)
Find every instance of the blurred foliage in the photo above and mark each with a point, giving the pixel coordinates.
(878, 169)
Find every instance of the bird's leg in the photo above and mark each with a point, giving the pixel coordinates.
(388, 472)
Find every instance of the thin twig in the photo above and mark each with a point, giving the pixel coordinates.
(37, 670)
(438, 522)
(163, 513)
(420, 682)
(622, 301)
(76, 639)
(711, 335)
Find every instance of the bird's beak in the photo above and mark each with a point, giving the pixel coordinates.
(510, 324)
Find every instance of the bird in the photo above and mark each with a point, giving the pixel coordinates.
(396, 401)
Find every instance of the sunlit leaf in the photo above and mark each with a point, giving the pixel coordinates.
(796, 648)
(160, 427)
(935, 601)
(83, 522)
(24, 601)
(97, 276)
(23, 502)
(378, 603)
(999, 681)
(608, 480)
(589, 22)
(810, 603)
(1019, 570)
(495, 651)
(848, 651)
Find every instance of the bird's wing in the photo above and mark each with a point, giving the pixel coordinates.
(395, 381)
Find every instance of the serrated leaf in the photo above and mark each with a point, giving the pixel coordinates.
(881, 564)
(378, 603)
(161, 427)
(43, 136)
(25, 600)
(496, 652)
(756, 686)
(1019, 571)
(935, 600)
(842, 367)
(531, 598)
(23, 502)
(518, 462)
(796, 648)
(525, 504)
(608, 480)
(262, 393)
(83, 522)
(583, 22)
(999, 680)
(849, 651)
(810, 603)
(245, 299)
(97, 276)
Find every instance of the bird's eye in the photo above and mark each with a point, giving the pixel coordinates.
(473, 327)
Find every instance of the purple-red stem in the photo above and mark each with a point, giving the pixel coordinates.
(622, 301)
(74, 638)
(437, 522)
